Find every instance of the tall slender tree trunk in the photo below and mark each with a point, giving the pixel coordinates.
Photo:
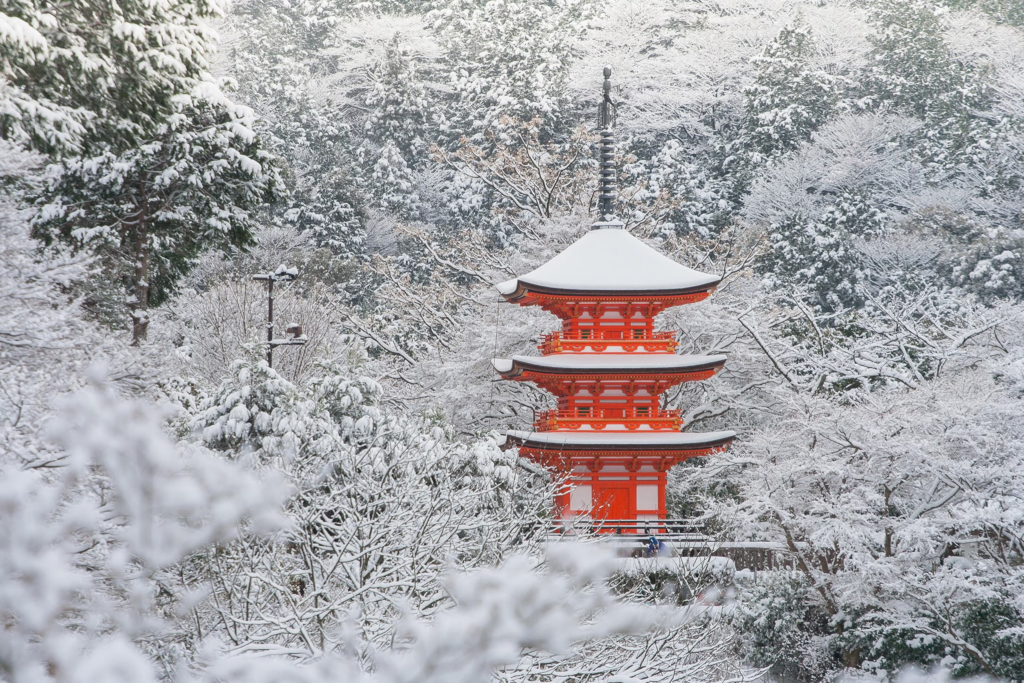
(142, 248)
(852, 658)
(140, 281)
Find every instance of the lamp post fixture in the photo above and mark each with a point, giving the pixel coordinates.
(297, 338)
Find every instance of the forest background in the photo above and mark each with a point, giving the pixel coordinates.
(171, 508)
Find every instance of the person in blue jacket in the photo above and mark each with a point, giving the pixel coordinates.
(654, 547)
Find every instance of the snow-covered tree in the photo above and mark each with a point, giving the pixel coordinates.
(789, 98)
(151, 210)
(382, 505)
(901, 514)
(396, 130)
(154, 163)
(508, 59)
(915, 71)
(887, 473)
(79, 78)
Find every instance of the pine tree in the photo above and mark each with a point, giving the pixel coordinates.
(153, 208)
(82, 76)
(789, 99)
(154, 163)
(818, 254)
(508, 59)
(280, 65)
(914, 71)
(396, 137)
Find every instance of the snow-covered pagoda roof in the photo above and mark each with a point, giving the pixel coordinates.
(608, 363)
(610, 260)
(605, 440)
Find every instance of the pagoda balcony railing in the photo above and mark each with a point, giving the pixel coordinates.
(662, 420)
(580, 340)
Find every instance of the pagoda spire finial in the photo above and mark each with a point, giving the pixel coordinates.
(606, 196)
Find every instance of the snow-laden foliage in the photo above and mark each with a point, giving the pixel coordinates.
(395, 128)
(915, 71)
(510, 58)
(898, 505)
(790, 98)
(781, 626)
(88, 539)
(90, 592)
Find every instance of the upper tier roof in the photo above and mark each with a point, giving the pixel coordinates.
(613, 261)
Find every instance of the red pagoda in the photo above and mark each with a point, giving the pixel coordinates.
(609, 436)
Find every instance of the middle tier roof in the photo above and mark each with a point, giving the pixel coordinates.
(604, 364)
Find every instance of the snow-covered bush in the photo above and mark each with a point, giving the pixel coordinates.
(383, 505)
(899, 509)
(782, 627)
(89, 540)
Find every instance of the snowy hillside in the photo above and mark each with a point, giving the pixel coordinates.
(171, 508)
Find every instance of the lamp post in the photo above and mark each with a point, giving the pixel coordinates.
(297, 338)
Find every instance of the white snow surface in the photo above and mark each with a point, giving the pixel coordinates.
(501, 364)
(610, 260)
(608, 361)
(621, 438)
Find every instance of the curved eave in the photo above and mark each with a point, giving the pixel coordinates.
(517, 368)
(557, 442)
(516, 290)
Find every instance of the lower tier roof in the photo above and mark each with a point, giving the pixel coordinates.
(625, 441)
(608, 363)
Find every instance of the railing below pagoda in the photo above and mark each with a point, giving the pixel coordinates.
(596, 340)
(662, 420)
(683, 538)
(665, 529)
